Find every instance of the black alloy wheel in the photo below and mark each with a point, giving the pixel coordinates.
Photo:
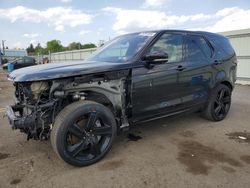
(222, 103)
(219, 103)
(83, 133)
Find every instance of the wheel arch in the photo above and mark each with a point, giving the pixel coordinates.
(101, 98)
(228, 84)
(109, 92)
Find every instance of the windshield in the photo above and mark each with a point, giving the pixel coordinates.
(123, 48)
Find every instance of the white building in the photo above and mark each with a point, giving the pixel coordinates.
(15, 53)
(240, 40)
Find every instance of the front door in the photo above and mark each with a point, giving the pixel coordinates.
(155, 89)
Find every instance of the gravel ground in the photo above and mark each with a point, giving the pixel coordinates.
(182, 151)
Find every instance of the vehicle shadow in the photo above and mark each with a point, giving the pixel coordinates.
(170, 127)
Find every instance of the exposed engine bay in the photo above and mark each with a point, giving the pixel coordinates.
(38, 103)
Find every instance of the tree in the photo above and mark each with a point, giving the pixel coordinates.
(54, 46)
(31, 49)
(39, 50)
(74, 46)
(78, 45)
(89, 45)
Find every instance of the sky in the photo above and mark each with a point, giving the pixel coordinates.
(32, 21)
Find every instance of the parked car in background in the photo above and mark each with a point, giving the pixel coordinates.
(21, 62)
(134, 78)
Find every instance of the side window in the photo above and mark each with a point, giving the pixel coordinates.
(23, 60)
(19, 61)
(170, 44)
(197, 48)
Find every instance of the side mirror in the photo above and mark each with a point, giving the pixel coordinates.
(156, 57)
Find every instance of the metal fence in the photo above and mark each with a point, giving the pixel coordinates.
(58, 57)
(73, 55)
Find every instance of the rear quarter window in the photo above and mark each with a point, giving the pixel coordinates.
(223, 46)
(226, 46)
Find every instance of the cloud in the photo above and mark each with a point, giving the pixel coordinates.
(59, 28)
(84, 32)
(66, 1)
(34, 42)
(99, 31)
(58, 17)
(227, 11)
(155, 3)
(31, 35)
(229, 19)
(18, 45)
(132, 20)
(129, 20)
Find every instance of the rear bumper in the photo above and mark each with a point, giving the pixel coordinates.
(18, 122)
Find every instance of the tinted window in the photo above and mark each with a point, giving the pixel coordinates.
(197, 48)
(227, 46)
(224, 44)
(170, 44)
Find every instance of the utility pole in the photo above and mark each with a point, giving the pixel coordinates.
(3, 41)
(101, 43)
(0, 59)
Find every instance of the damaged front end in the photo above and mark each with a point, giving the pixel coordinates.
(38, 103)
(34, 109)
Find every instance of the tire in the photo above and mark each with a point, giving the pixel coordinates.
(219, 103)
(83, 133)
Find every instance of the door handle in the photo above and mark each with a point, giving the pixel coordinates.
(180, 68)
(216, 62)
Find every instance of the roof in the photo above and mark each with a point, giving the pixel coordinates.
(205, 33)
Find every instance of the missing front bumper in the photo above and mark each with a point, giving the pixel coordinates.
(18, 121)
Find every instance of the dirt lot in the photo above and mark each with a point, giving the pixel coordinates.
(185, 151)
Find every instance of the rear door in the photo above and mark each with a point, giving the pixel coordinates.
(196, 75)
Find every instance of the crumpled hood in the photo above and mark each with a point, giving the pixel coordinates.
(62, 70)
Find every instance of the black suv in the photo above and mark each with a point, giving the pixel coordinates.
(19, 62)
(134, 78)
